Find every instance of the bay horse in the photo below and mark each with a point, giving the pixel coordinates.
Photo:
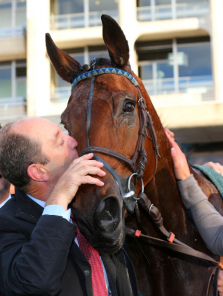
(106, 113)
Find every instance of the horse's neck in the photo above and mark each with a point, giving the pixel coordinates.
(163, 190)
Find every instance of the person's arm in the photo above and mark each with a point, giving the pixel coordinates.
(34, 267)
(207, 220)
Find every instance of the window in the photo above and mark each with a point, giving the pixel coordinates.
(5, 14)
(13, 88)
(21, 79)
(20, 18)
(12, 17)
(5, 80)
(154, 10)
(171, 66)
(155, 67)
(68, 14)
(69, 6)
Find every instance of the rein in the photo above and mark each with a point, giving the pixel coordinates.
(127, 189)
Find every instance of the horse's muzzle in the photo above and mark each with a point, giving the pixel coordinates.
(108, 214)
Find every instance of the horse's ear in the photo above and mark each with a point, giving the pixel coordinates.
(67, 67)
(115, 41)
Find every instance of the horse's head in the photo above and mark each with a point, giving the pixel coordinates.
(104, 110)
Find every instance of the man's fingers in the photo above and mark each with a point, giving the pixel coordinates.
(90, 170)
(83, 157)
(85, 162)
(91, 180)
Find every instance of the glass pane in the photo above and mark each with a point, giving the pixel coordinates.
(164, 70)
(97, 8)
(70, 6)
(21, 87)
(192, 1)
(21, 72)
(103, 5)
(195, 69)
(5, 83)
(146, 72)
(5, 14)
(144, 3)
(191, 8)
(20, 13)
(194, 60)
(163, 2)
(21, 82)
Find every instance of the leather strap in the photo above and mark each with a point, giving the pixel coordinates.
(89, 109)
(183, 249)
(207, 282)
(216, 282)
(110, 153)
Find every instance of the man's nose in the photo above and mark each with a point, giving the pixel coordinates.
(73, 141)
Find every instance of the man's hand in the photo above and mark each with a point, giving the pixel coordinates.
(217, 167)
(220, 283)
(77, 173)
(180, 164)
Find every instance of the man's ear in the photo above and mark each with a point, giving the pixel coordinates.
(37, 172)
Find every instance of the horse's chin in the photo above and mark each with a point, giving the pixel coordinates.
(104, 242)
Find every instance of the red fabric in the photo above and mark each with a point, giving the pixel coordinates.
(93, 257)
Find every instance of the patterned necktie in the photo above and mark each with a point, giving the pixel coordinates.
(93, 257)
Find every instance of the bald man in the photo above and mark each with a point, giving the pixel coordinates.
(39, 253)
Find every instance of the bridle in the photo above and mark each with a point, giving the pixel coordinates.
(127, 189)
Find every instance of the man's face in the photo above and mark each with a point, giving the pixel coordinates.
(59, 147)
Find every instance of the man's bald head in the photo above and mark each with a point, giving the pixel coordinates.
(20, 146)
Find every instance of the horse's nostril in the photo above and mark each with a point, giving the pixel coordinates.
(108, 213)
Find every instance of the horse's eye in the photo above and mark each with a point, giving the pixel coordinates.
(128, 107)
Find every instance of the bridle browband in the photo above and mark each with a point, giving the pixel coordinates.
(140, 155)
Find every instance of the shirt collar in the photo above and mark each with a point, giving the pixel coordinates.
(4, 202)
(38, 201)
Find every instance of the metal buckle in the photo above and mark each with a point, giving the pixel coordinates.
(131, 194)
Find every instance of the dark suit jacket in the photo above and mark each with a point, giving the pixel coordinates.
(38, 255)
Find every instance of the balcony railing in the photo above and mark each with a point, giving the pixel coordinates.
(197, 84)
(11, 107)
(166, 12)
(12, 32)
(79, 20)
